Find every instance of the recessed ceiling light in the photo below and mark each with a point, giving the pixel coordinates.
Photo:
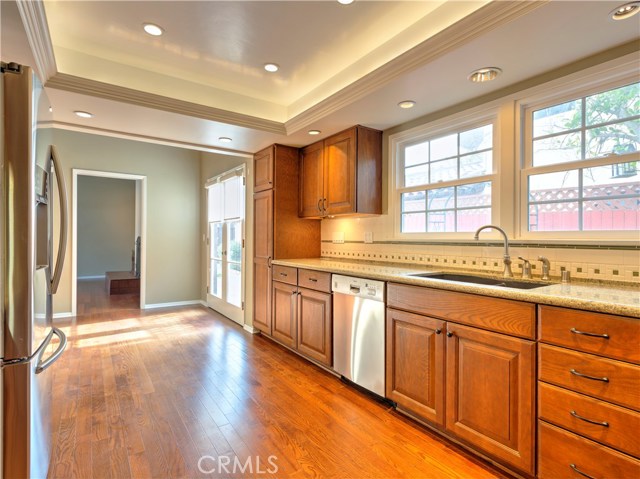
(346, 2)
(271, 67)
(225, 139)
(625, 11)
(153, 29)
(407, 104)
(314, 132)
(484, 74)
(83, 114)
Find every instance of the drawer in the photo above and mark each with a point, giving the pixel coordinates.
(559, 450)
(285, 274)
(495, 314)
(568, 369)
(561, 407)
(314, 280)
(583, 330)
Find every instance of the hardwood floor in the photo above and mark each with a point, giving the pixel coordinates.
(149, 393)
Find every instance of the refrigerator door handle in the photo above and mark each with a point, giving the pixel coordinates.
(42, 365)
(64, 219)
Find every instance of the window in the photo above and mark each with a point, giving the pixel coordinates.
(445, 180)
(581, 158)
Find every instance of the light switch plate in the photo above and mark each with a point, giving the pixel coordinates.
(338, 237)
(368, 236)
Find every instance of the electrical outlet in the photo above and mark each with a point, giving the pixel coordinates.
(368, 236)
(338, 237)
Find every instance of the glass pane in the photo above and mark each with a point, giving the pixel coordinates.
(234, 284)
(476, 164)
(557, 118)
(415, 201)
(477, 139)
(233, 198)
(215, 280)
(471, 220)
(416, 154)
(611, 214)
(441, 222)
(554, 217)
(557, 149)
(444, 147)
(416, 175)
(444, 170)
(234, 241)
(476, 194)
(440, 199)
(215, 234)
(414, 223)
(621, 179)
(613, 105)
(562, 185)
(215, 202)
(619, 139)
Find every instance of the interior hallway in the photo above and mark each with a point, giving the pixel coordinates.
(148, 393)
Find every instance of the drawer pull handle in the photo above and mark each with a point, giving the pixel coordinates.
(593, 335)
(283, 274)
(575, 468)
(590, 421)
(586, 376)
(313, 280)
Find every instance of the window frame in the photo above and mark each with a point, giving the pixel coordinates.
(524, 136)
(457, 123)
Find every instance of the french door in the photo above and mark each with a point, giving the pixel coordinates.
(225, 238)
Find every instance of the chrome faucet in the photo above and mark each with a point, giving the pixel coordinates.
(526, 268)
(545, 267)
(506, 258)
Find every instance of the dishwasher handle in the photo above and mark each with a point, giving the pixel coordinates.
(354, 289)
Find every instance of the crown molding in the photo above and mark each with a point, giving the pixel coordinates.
(84, 86)
(35, 24)
(61, 125)
(487, 18)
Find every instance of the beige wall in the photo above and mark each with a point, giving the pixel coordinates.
(106, 224)
(173, 209)
(212, 165)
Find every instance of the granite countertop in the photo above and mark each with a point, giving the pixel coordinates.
(613, 299)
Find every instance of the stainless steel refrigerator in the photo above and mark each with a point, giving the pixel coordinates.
(28, 279)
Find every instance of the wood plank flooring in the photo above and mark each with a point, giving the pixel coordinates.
(144, 394)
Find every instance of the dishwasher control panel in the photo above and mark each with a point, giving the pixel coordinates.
(360, 287)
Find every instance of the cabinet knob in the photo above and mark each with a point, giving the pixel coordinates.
(449, 334)
(438, 331)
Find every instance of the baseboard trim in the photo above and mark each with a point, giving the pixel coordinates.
(250, 329)
(100, 276)
(67, 314)
(173, 304)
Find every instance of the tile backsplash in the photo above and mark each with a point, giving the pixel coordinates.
(599, 264)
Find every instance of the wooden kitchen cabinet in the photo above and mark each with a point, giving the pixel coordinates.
(415, 364)
(342, 175)
(490, 388)
(302, 317)
(278, 231)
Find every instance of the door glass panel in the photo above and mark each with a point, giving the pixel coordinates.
(234, 259)
(216, 240)
(215, 281)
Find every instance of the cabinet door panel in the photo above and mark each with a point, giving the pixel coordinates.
(263, 224)
(340, 173)
(490, 393)
(263, 251)
(314, 325)
(262, 295)
(415, 364)
(284, 313)
(311, 181)
(263, 170)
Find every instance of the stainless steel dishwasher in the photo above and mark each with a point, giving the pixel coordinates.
(358, 331)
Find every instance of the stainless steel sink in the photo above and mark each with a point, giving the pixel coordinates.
(467, 278)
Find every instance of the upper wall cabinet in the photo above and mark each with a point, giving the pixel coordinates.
(342, 175)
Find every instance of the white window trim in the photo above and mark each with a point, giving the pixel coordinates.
(601, 79)
(482, 115)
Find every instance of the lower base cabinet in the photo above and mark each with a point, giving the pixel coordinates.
(476, 385)
(302, 317)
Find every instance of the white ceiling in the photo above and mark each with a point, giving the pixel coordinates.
(340, 65)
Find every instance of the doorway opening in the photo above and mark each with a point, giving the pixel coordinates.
(108, 244)
(226, 243)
